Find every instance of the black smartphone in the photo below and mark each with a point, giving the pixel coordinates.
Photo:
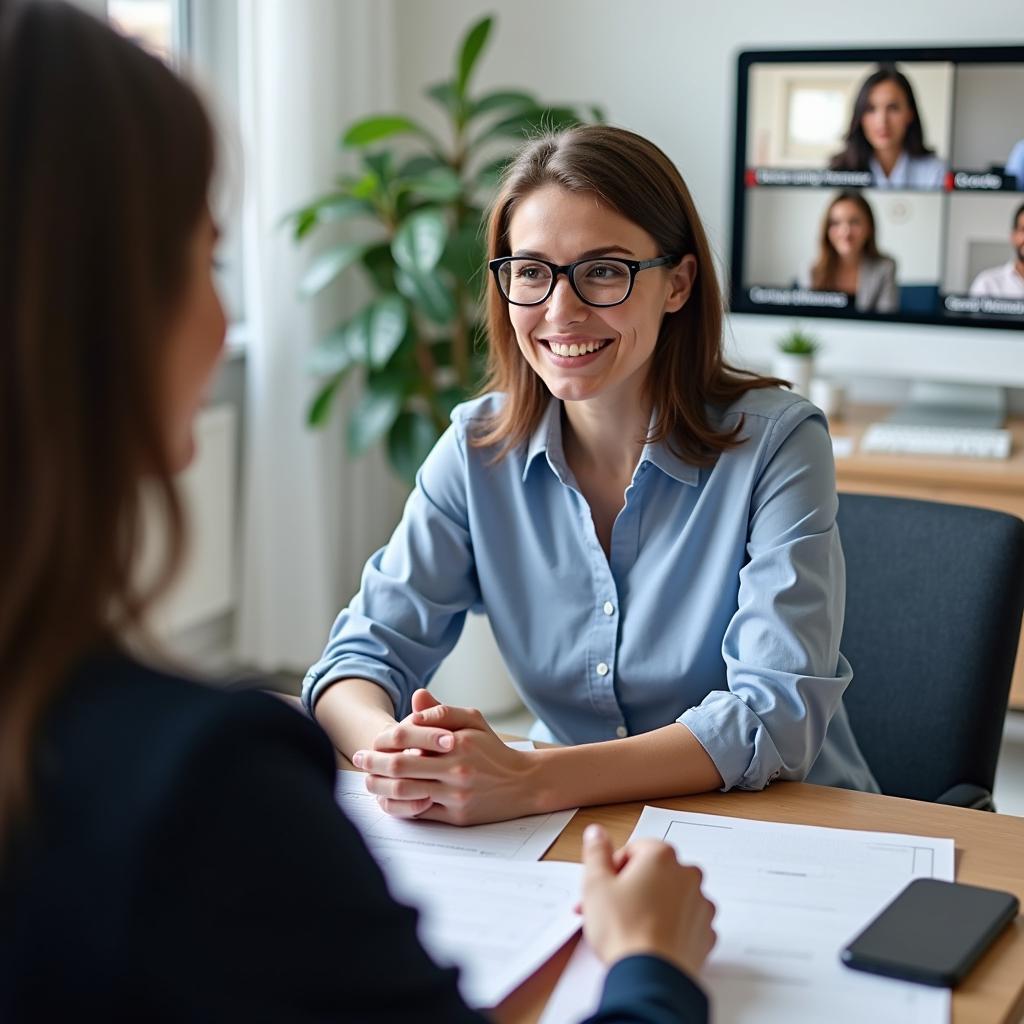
(932, 932)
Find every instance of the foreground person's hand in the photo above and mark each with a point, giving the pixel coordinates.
(641, 901)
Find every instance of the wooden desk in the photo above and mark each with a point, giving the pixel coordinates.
(989, 852)
(983, 483)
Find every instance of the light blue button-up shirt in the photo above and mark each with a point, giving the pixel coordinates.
(720, 604)
(910, 172)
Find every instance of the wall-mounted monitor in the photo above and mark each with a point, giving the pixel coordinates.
(883, 185)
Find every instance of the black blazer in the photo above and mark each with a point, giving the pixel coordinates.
(185, 861)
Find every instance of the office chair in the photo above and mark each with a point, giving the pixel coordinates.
(934, 597)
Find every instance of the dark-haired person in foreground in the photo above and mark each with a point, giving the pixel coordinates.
(169, 852)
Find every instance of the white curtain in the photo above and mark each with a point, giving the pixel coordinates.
(310, 517)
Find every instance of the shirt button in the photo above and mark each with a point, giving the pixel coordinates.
(621, 732)
(609, 608)
(602, 668)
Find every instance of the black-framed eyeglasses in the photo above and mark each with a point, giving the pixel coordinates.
(598, 281)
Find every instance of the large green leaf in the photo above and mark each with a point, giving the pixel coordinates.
(366, 187)
(501, 100)
(320, 408)
(472, 46)
(464, 256)
(380, 265)
(443, 93)
(379, 329)
(420, 240)
(419, 165)
(439, 185)
(332, 353)
(381, 126)
(546, 119)
(403, 360)
(377, 410)
(410, 440)
(328, 265)
(336, 206)
(427, 292)
(382, 164)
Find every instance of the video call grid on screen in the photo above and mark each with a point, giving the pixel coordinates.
(943, 204)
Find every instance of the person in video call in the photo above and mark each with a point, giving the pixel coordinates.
(849, 260)
(171, 852)
(1015, 164)
(1007, 281)
(886, 136)
(650, 532)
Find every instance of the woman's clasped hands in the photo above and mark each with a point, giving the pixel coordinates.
(444, 763)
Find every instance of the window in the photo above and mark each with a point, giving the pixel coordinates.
(161, 26)
(202, 39)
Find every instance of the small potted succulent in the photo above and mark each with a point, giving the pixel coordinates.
(794, 360)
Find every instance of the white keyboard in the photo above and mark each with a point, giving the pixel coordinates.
(969, 442)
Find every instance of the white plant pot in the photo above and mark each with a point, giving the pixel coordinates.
(798, 370)
(474, 674)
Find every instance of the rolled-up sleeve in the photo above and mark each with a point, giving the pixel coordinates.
(414, 593)
(785, 674)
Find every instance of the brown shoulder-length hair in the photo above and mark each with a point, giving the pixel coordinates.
(105, 164)
(823, 273)
(688, 373)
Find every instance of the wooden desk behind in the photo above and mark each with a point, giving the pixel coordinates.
(989, 852)
(983, 483)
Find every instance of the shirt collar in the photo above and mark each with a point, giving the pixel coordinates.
(547, 438)
(898, 176)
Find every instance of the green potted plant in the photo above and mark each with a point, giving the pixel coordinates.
(419, 343)
(794, 360)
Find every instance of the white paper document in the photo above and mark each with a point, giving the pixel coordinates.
(789, 898)
(498, 921)
(518, 839)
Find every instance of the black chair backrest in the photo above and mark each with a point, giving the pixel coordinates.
(933, 614)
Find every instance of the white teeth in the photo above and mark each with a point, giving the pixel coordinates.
(574, 349)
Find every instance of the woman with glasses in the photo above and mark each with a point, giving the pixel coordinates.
(169, 852)
(650, 532)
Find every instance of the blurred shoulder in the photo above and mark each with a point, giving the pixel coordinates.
(151, 721)
(478, 409)
(767, 417)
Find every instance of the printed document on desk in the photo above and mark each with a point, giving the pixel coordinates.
(789, 898)
(497, 920)
(518, 839)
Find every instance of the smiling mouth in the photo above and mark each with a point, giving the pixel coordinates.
(576, 348)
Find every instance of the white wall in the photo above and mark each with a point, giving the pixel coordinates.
(983, 137)
(666, 68)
